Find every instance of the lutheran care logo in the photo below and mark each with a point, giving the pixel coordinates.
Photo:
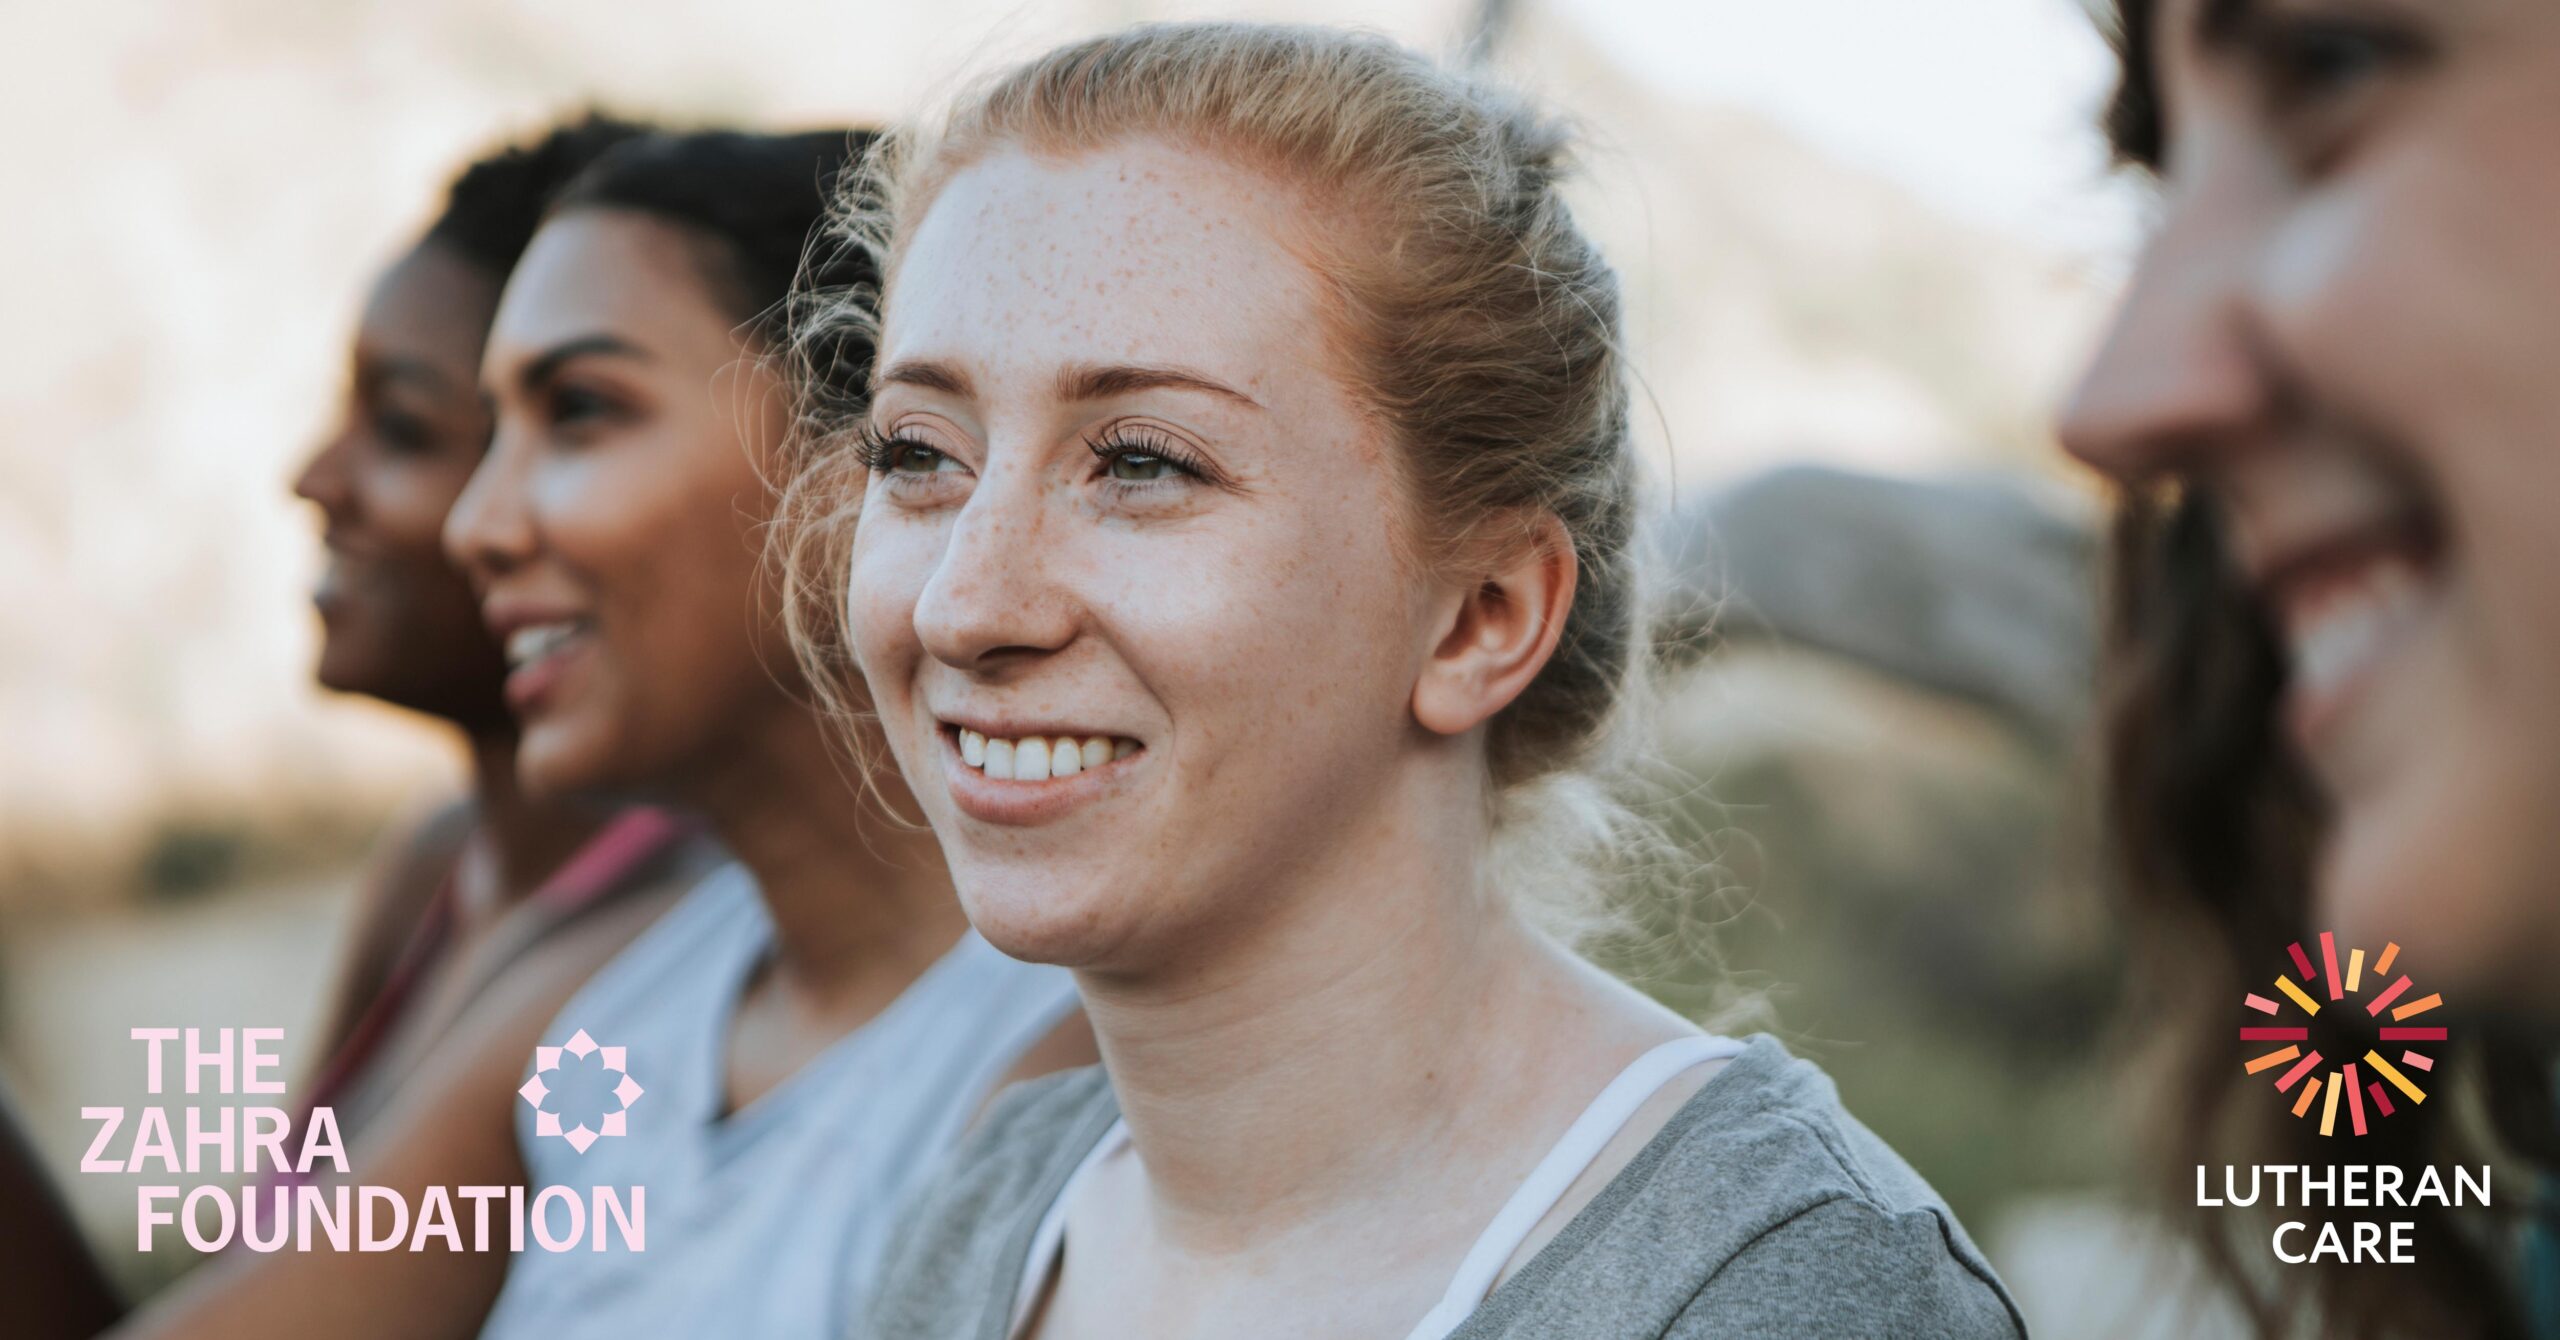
(609, 1061)
(2361, 1081)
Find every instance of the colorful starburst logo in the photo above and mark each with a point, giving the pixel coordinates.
(610, 1060)
(2355, 1081)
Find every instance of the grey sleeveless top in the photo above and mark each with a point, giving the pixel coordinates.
(769, 1222)
(1761, 1208)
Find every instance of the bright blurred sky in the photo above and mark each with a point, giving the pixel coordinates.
(1984, 108)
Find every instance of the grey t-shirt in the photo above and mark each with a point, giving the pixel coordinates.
(1762, 1208)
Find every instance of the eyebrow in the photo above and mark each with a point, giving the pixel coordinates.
(547, 366)
(1104, 382)
(928, 375)
(1078, 383)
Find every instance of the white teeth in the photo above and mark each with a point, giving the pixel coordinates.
(2351, 628)
(530, 644)
(1038, 758)
(2326, 652)
(1031, 760)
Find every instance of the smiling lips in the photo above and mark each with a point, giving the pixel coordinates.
(2334, 633)
(536, 653)
(2344, 604)
(530, 644)
(1039, 758)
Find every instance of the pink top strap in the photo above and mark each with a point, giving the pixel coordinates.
(601, 865)
(629, 841)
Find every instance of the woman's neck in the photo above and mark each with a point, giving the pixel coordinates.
(853, 892)
(518, 841)
(1399, 1026)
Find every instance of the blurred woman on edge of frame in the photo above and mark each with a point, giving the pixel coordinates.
(2334, 697)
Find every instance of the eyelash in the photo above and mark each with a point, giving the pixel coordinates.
(880, 452)
(1133, 440)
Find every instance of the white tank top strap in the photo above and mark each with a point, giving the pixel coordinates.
(1555, 1174)
(1546, 1184)
(1042, 1262)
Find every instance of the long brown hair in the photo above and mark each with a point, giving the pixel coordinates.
(2214, 825)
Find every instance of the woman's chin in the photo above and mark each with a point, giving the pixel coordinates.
(1043, 919)
(347, 662)
(553, 759)
(2429, 878)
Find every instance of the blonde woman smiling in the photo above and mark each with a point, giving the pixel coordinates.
(1244, 553)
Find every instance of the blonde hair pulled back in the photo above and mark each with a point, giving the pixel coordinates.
(1475, 320)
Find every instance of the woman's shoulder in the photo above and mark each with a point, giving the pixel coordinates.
(1851, 1267)
(1833, 1232)
(709, 925)
(1013, 1162)
(1033, 1133)
(409, 869)
(1772, 1124)
(646, 971)
(962, 1241)
(1764, 1207)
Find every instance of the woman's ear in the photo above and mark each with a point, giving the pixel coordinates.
(1497, 635)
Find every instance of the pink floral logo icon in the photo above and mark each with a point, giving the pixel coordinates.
(546, 1060)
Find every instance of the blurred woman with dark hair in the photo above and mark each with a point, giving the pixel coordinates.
(2335, 654)
(811, 1026)
(820, 1019)
(455, 901)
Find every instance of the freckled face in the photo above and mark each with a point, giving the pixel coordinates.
(1121, 498)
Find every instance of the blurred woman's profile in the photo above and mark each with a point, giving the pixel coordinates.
(2335, 653)
(458, 899)
(819, 1018)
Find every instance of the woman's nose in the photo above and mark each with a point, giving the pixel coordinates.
(324, 478)
(490, 530)
(2176, 372)
(2182, 367)
(995, 595)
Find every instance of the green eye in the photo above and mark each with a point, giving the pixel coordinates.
(1134, 454)
(915, 458)
(1140, 467)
